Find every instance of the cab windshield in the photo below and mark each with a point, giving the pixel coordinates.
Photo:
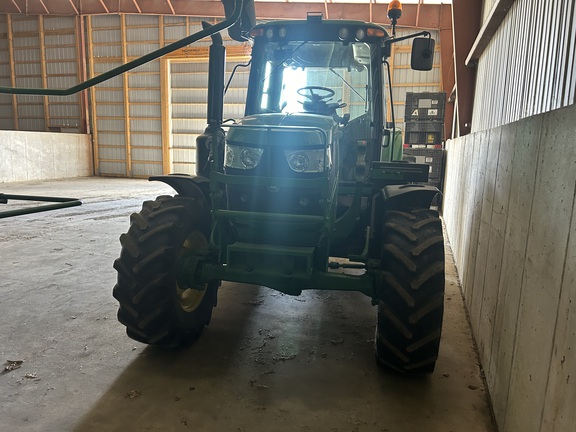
(321, 77)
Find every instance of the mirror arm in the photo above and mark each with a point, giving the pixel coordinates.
(223, 25)
(410, 36)
(234, 71)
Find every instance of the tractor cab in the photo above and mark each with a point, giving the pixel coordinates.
(314, 67)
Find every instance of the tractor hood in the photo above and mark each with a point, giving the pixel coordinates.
(290, 130)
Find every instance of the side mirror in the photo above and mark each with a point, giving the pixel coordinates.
(247, 18)
(422, 54)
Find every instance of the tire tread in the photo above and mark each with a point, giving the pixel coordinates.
(411, 295)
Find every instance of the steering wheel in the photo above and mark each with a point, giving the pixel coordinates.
(316, 93)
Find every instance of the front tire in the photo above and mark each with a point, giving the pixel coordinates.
(155, 308)
(411, 305)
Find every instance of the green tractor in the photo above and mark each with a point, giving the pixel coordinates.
(294, 194)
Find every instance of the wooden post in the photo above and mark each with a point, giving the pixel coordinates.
(126, 99)
(165, 106)
(166, 116)
(12, 72)
(44, 72)
(82, 72)
(93, 100)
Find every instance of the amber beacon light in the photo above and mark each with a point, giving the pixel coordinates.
(394, 12)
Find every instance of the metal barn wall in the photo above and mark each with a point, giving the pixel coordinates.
(188, 83)
(126, 110)
(38, 51)
(6, 101)
(529, 66)
(145, 122)
(509, 209)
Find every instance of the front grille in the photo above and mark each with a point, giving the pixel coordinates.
(275, 199)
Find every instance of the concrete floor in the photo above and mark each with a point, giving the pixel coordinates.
(267, 362)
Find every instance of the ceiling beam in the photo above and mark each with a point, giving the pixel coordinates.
(466, 21)
(104, 6)
(73, 7)
(28, 8)
(448, 79)
(15, 5)
(44, 6)
(428, 16)
(488, 30)
(137, 6)
(171, 7)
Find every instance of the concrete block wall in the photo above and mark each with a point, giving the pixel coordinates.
(44, 156)
(510, 213)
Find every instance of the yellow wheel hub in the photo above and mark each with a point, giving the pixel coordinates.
(191, 297)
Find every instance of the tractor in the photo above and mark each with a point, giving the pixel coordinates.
(295, 195)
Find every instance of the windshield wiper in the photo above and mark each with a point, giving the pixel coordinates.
(347, 83)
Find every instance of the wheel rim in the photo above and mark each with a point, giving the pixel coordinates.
(190, 298)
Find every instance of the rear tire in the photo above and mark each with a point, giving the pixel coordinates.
(154, 307)
(411, 305)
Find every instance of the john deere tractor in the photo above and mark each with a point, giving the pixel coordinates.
(293, 194)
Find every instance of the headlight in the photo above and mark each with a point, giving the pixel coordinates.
(308, 161)
(240, 157)
(299, 162)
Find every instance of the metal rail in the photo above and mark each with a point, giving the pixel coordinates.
(61, 203)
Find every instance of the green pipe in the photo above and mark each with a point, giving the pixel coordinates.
(134, 63)
(61, 203)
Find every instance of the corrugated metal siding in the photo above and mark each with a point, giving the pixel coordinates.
(528, 67)
(188, 82)
(6, 108)
(131, 100)
(108, 117)
(44, 52)
(61, 66)
(134, 100)
(142, 37)
(28, 72)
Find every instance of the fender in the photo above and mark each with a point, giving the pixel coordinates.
(408, 196)
(186, 185)
(397, 197)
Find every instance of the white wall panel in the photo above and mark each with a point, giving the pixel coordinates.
(26, 156)
(113, 168)
(148, 125)
(146, 169)
(528, 66)
(148, 95)
(112, 21)
(147, 140)
(104, 36)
